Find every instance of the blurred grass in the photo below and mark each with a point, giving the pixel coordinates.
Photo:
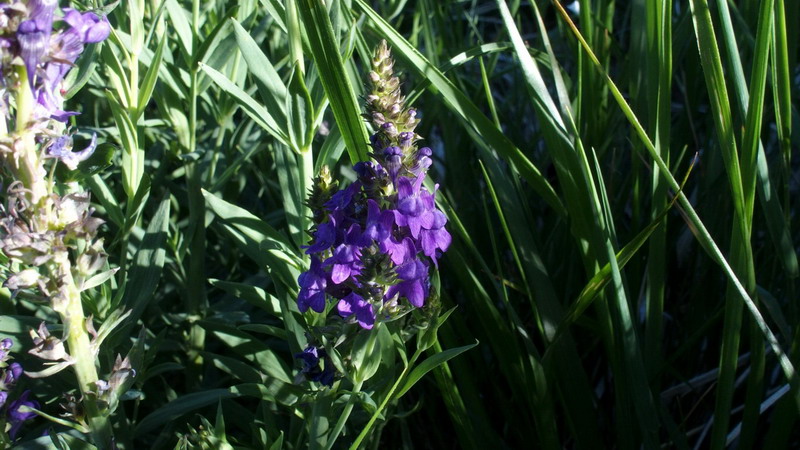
(607, 314)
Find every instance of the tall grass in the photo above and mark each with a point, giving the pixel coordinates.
(618, 179)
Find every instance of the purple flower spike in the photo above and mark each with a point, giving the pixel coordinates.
(16, 417)
(312, 288)
(414, 284)
(355, 304)
(3, 398)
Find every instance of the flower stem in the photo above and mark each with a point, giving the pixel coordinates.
(348, 408)
(25, 162)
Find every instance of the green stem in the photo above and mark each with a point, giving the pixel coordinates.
(195, 292)
(306, 182)
(25, 163)
(348, 408)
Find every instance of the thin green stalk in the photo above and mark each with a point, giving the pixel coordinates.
(195, 277)
(661, 85)
(348, 408)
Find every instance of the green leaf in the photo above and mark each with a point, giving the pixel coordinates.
(180, 407)
(145, 272)
(257, 239)
(252, 294)
(332, 73)
(149, 81)
(429, 364)
(253, 109)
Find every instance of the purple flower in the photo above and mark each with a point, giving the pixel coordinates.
(5, 346)
(33, 42)
(399, 250)
(312, 288)
(414, 207)
(355, 304)
(13, 372)
(393, 160)
(323, 238)
(435, 238)
(345, 261)
(413, 285)
(379, 223)
(341, 200)
(61, 149)
(90, 28)
(423, 161)
(311, 357)
(41, 12)
(16, 417)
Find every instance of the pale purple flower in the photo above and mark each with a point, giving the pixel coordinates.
(33, 43)
(61, 149)
(89, 26)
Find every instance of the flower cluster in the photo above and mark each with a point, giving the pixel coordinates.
(374, 241)
(10, 373)
(28, 39)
